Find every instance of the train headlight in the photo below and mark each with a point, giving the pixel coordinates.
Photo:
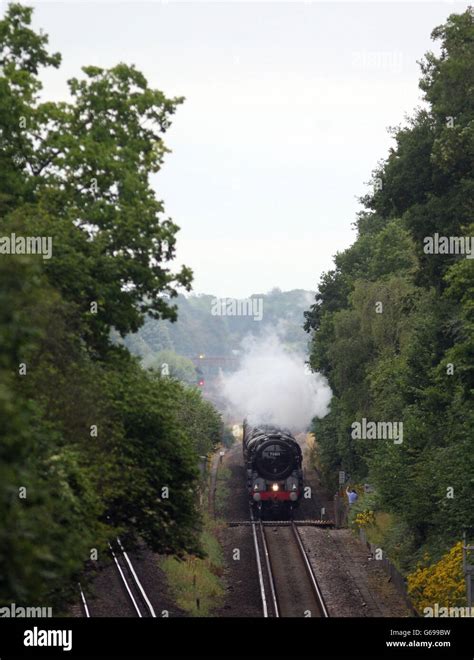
(256, 497)
(275, 487)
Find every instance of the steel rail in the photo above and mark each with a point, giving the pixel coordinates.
(84, 602)
(309, 569)
(137, 581)
(271, 581)
(124, 580)
(259, 567)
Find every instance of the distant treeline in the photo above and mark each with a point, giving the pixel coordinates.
(203, 331)
(91, 444)
(393, 324)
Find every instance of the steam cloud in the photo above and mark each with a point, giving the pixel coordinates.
(272, 386)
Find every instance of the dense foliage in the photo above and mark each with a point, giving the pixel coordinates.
(91, 444)
(392, 325)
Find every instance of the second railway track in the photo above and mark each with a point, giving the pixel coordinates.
(137, 596)
(288, 585)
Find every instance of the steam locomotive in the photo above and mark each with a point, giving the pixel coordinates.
(273, 461)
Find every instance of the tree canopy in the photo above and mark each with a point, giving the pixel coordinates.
(91, 444)
(392, 325)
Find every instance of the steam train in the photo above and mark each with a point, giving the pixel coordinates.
(273, 461)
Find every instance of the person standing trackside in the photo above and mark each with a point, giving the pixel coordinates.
(351, 495)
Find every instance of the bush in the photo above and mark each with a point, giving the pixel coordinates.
(442, 582)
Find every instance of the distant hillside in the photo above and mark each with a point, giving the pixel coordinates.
(199, 330)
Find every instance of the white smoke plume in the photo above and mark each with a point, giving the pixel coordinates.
(272, 386)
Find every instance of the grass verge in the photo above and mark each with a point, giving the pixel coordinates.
(196, 584)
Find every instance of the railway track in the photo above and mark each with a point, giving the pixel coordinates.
(136, 593)
(288, 586)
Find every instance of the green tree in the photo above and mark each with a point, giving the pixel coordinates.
(86, 167)
(91, 444)
(177, 366)
(412, 362)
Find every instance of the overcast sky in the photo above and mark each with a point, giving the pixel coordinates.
(286, 111)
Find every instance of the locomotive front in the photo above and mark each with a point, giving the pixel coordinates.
(273, 461)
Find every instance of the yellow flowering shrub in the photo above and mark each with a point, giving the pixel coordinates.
(364, 519)
(442, 582)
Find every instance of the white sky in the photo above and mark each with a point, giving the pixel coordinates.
(285, 117)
